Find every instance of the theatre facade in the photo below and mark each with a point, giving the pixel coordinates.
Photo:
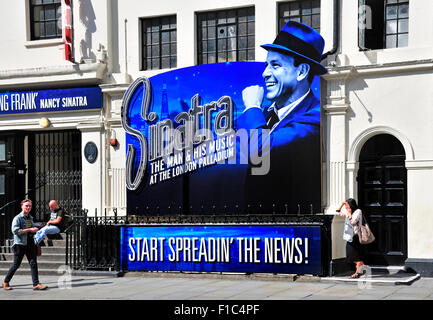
(52, 131)
(92, 94)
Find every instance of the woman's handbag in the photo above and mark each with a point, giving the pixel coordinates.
(364, 233)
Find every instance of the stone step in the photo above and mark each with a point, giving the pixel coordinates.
(44, 257)
(53, 243)
(45, 250)
(26, 271)
(53, 257)
(50, 240)
(41, 264)
(385, 275)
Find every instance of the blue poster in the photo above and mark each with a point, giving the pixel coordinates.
(229, 138)
(267, 249)
(54, 100)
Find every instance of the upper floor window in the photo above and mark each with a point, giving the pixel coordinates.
(305, 11)
(383, 24)
(227, 35)
(46, 19)
(159, 39)
(397, 23)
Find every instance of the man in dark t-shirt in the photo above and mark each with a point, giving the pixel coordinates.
(54, 225)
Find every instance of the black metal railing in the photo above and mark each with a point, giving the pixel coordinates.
(93, 242)
(74, 246)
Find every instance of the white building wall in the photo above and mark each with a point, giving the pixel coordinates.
(383, 91)
(20, 51)
(41, 64)
(90, 30)
(365, 93)
(133, 10)
(420, 37)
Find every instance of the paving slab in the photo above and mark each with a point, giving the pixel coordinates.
(165, 295)
(148, 288)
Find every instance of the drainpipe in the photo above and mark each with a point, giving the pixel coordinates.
(336, 37)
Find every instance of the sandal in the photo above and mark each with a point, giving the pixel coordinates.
(354, 276)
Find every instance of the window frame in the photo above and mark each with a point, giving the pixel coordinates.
(3, 151)
(375, 38)
(397, 4)
(145, 46)
(57, 4)
(241, 20)
(281, 16)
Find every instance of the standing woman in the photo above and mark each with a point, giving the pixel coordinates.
(354, 249)
(23, 230)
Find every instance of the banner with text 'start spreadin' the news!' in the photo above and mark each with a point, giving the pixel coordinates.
(267, 249)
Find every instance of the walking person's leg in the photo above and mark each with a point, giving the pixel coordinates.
(359, 265)
(32, 258)
(354, 256)
(19, 252)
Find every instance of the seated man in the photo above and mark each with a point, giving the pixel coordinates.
(54, 225)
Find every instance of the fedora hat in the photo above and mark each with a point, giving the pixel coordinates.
(303, 41)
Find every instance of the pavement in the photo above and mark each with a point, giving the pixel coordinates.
(177, 294)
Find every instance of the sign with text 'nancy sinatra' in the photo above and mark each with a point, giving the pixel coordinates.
(54, 100)
(267, 249)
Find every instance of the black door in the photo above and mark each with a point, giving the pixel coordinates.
(12, 180)
(382, 189)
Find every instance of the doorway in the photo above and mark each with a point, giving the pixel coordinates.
(382, 194)
(41, 166)
(55, 171)
(12, 180)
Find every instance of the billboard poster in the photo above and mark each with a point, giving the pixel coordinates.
(263, 249)
(229, 138)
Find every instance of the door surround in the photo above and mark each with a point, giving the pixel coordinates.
(353, 163)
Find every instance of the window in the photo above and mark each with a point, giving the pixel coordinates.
(306, 12)
(46, 19)
(2, 151)
(227, 35)
(2, 184)
(383, 24)
(159, 43)
(397, 23)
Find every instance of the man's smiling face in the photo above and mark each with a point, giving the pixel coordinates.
(280, 77)
(26, 207)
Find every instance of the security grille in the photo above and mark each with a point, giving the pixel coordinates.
(57, 171)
